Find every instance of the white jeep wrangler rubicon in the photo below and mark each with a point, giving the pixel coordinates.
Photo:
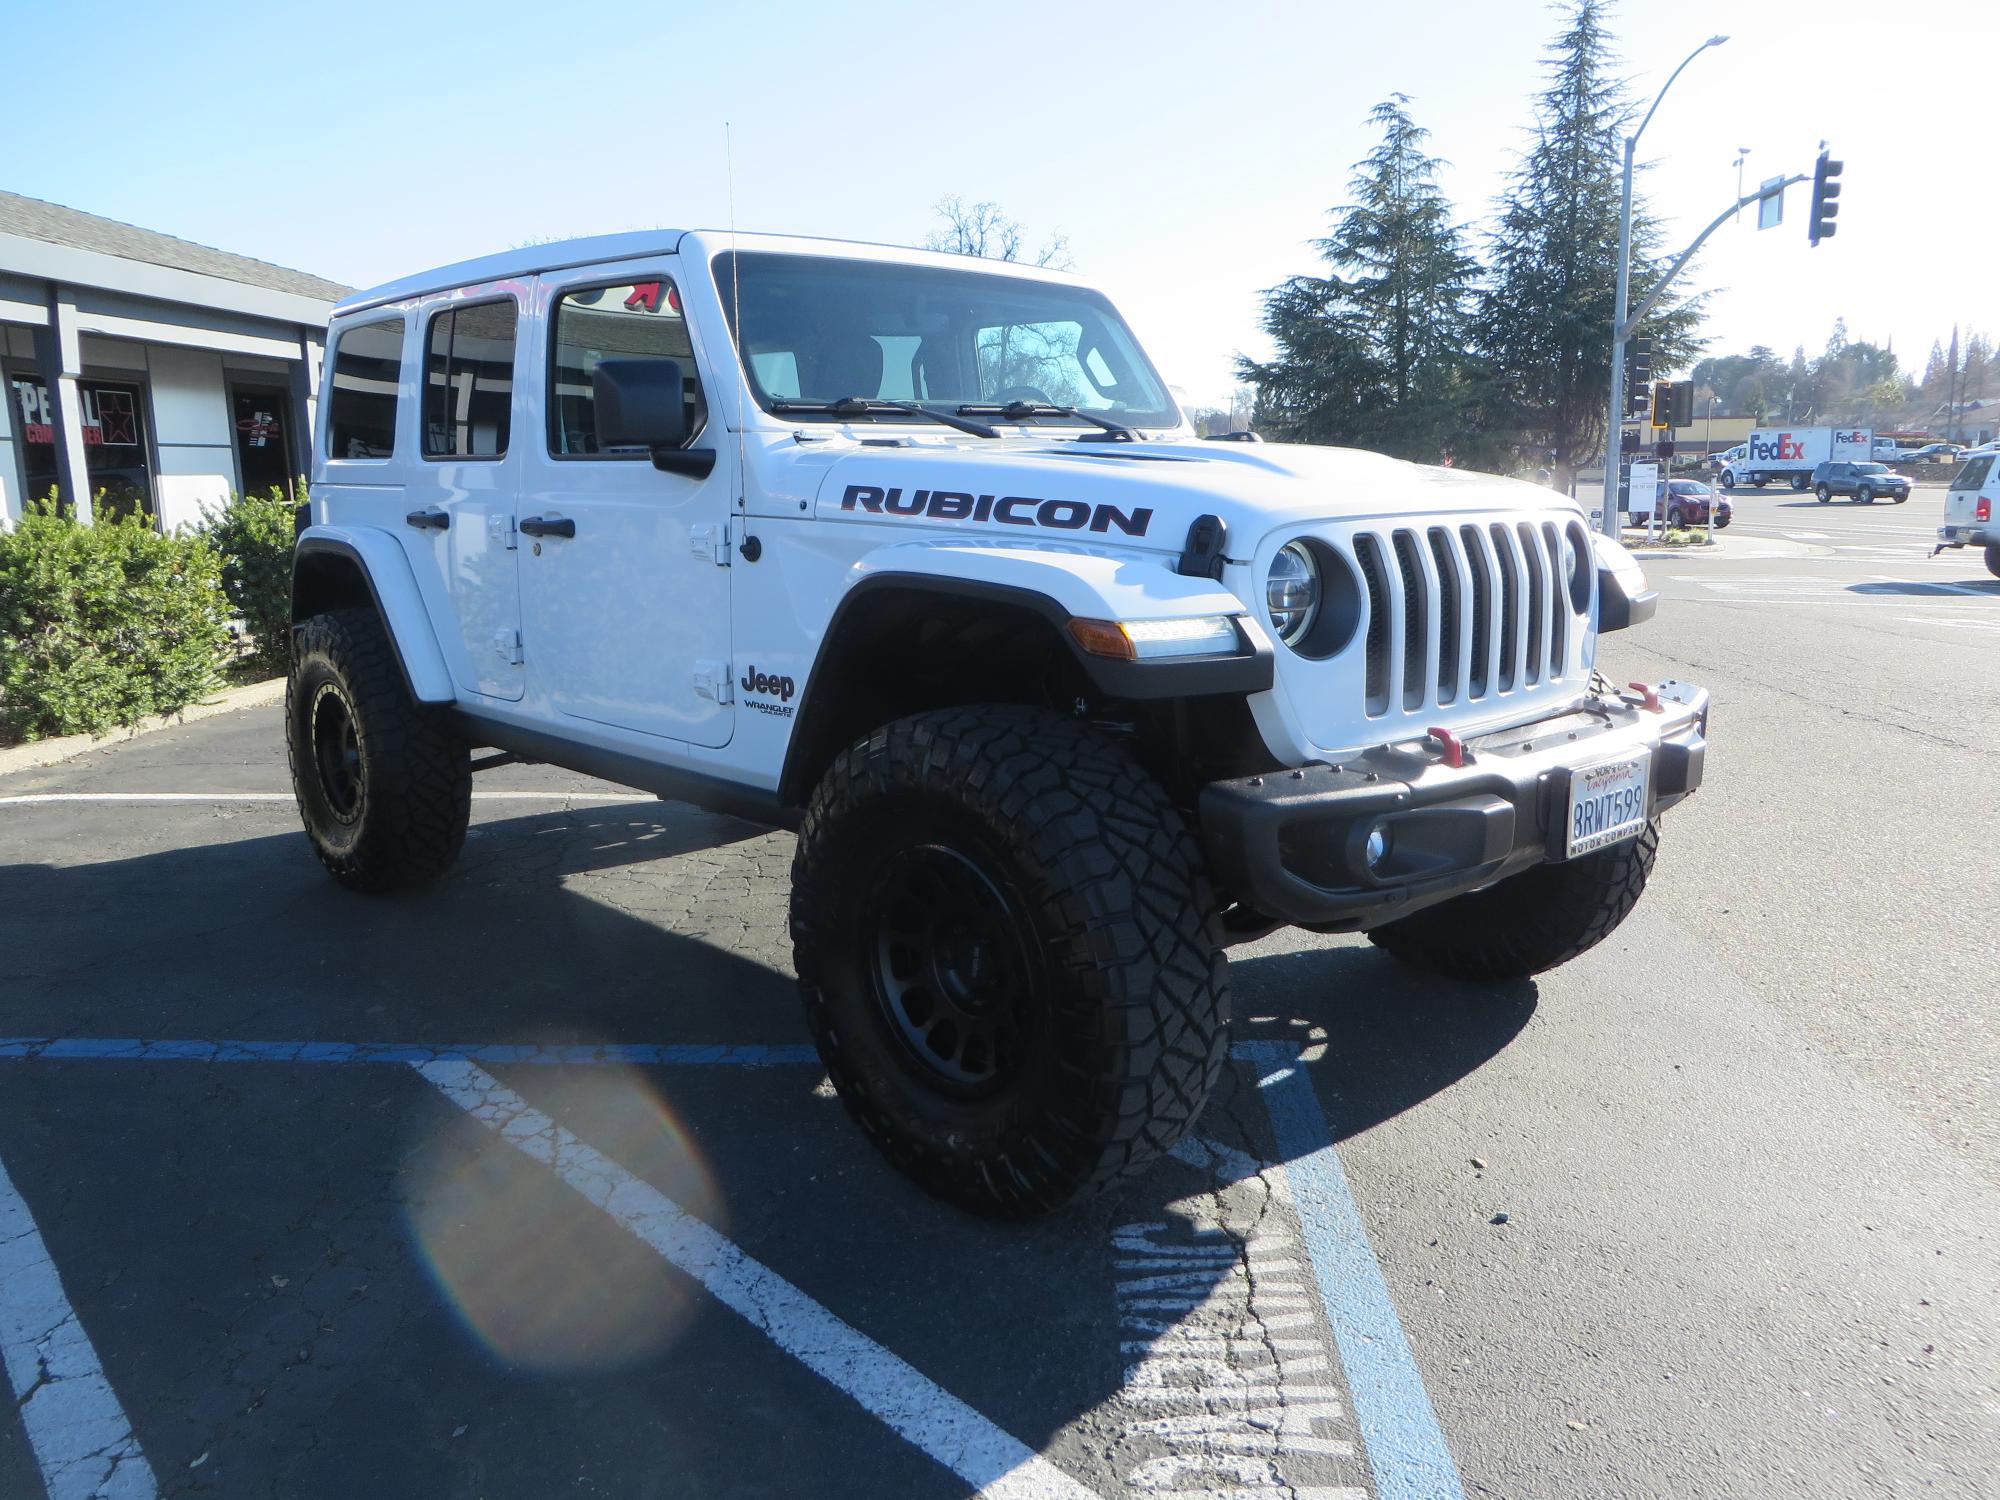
(916, 555)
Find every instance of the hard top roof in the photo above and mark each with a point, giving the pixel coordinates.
(559, 255)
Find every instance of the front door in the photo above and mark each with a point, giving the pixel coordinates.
(625, 595)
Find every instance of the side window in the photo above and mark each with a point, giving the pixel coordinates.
(1973, 475)
(638, 320)
(469, 380)
(361, 401)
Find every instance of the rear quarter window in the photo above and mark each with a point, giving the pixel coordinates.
(1973, 475)
(361, 397)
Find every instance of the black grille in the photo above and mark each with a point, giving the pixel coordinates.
(1482, 614)
(1510, 598)
(1367, 554)
(1447, 573)
(1538, 596)
(1415, 613)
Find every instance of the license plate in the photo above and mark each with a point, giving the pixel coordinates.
(1607, 803)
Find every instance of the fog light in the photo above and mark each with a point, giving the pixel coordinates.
(1377, 848)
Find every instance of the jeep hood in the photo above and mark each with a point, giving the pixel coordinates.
(1143, 494)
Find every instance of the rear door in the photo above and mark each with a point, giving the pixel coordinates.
(464, 481)
(626, 604)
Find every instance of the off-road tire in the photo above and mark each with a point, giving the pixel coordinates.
(1529, 922)
(1993, 560)
(408, 790)
(1124, 1018)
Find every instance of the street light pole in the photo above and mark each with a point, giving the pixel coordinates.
(1615, 424)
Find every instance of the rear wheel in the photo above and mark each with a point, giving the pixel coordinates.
(1993, 560)
(1010, 957)
(1800, 481)
(1529, 922)
(384, 783)
(1760, 481)
(1865, 495)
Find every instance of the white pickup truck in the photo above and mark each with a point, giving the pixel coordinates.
(916, 555)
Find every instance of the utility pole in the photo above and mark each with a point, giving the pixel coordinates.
(1620, 322)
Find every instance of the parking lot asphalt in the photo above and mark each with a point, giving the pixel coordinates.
(1712, 1211)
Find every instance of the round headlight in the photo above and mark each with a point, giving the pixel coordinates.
(1291, 592)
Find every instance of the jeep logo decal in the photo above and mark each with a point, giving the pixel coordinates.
(1009, 510)
(755, 681)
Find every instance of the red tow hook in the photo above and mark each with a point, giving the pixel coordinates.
(1649, 695)
(1453, 747)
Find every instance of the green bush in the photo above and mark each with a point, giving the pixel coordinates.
(102, 625)
(253, 533)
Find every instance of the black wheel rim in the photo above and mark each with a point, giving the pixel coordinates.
(950, 969)
(336, 753)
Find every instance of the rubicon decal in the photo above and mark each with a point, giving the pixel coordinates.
(1008, 510)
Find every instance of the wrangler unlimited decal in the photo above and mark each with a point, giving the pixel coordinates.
(1012, 510)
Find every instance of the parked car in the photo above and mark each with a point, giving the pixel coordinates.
(1932, 453)
(1686, 503)
(1863, 481)
(1969, 509)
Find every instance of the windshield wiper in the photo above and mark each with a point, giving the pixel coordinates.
(861, 406)
(1021, 411)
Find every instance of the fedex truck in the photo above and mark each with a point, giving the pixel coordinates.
(1790, 454)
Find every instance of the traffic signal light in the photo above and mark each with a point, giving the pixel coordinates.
(1663, 403)
(1638, 372)
(1826, 189)
(1682, 408)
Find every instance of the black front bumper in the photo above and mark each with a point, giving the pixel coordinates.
(1291, 844)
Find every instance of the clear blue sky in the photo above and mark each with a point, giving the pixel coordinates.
(1188, 151)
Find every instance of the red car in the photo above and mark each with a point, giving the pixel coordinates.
(1686, 503)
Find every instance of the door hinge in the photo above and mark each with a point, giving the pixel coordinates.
(508, 643)
(500, 531)
(712, 681)
(711, 543)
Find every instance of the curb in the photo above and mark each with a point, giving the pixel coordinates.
(49, 752)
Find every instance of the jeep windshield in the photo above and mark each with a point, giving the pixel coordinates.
(820, 337)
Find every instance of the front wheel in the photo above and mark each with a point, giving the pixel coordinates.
(1529, 922)
(1729, 479)
(1825, 494)
(1010, 957)
(1675, 519)
(384, 783)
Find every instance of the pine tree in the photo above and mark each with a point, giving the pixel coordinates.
(1545, 322)
(1373, 355)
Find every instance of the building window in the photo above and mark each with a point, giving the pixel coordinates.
(361, 405)
(469, 380)
(260, 417)
(639, 320)
(118, 460)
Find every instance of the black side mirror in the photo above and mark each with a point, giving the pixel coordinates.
(639, 403)
(642, 403)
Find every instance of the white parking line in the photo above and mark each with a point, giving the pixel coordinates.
(915, 1408)
(82, 1440)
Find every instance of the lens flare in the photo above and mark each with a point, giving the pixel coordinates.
(542, 1278)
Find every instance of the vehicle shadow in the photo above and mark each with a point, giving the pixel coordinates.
(1929, 588)
(646, 924)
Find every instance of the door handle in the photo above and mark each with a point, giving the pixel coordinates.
(428, 520)
(548, 526)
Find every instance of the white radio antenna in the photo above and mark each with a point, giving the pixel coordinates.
(736, 317)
